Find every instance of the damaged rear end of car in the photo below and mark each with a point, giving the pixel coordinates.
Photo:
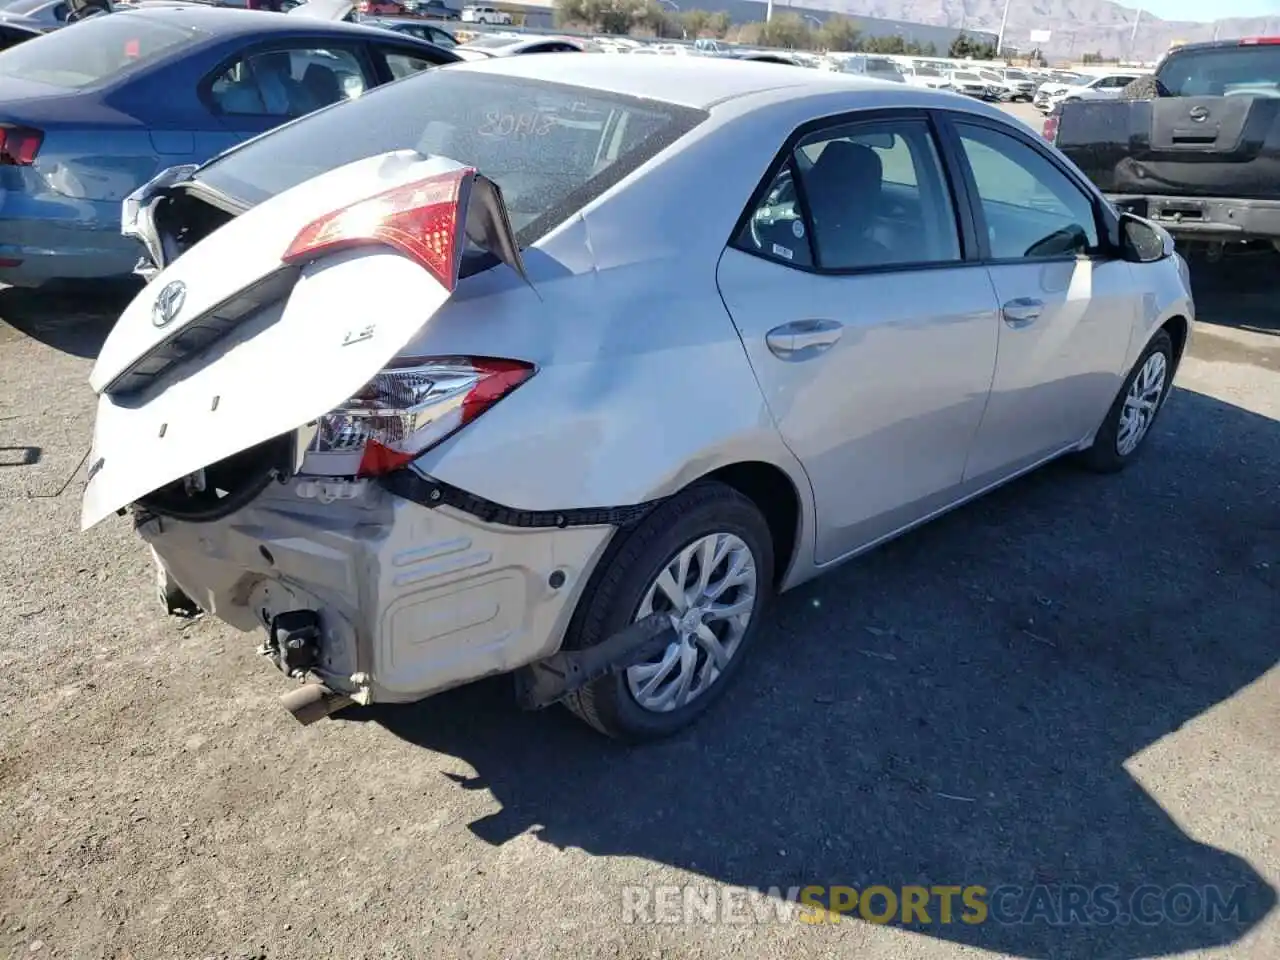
(262, 401)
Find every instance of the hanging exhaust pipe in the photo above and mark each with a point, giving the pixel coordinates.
(314, 701)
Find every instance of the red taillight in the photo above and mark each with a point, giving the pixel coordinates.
(1050, 131)
(406, 410)
(1259, 41)
(19, 146)
(419, 219)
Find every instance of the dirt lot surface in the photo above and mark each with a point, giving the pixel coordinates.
(1071, 682)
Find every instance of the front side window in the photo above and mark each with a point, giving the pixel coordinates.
(401, 64)
(865, 195)
(1032, 209)
(287, 83)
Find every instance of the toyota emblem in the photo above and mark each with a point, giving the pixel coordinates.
(168, 303)
(1198, 114)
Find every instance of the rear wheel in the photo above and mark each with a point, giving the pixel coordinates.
(1129, 421)
(704, 558)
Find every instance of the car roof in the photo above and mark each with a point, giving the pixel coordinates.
(223, 22)
(699, 82)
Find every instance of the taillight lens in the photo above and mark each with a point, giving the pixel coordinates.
(1050, 131)
(420, 219)
(19, 146)
(1260, 41)
(406, 410)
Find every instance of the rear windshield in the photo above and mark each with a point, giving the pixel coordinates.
(94, 51)
(552, 148)
(1218, 71)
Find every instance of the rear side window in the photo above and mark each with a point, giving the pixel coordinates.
(1218, 71)
(287, 83)
(868, 195)
(551, 147)
(95, 51)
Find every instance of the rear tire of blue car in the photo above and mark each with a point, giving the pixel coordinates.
(621, 590)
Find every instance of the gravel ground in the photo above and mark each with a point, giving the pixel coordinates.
(1073, 681)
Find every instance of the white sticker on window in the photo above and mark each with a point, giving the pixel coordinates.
(798, 229)
(782, 251)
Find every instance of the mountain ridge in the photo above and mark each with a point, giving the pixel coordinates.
(1076, 26)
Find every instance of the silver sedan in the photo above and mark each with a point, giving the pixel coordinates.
(473, 373)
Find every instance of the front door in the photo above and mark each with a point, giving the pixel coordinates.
(1066, 306)
(872, 337)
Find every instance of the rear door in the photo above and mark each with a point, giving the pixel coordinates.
(872, 334)
(1067, 307)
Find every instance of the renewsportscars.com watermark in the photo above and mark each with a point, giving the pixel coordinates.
(914, 905)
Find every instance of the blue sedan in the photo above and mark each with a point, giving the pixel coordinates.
(90, 113)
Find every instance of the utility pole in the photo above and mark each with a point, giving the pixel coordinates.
(1133, 34)
(768, 11)
(1004, 19)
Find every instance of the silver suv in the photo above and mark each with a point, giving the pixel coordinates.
(879, 68)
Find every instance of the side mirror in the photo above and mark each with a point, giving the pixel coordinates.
(1143, 241)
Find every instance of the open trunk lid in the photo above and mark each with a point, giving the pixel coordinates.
(231, 345)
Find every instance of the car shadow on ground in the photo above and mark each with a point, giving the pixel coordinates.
(1238, 291)
(71, 319)
(957, 707)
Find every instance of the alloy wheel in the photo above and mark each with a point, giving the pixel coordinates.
(1141, 403)
(709, 591)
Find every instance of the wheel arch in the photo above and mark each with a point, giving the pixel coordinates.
(1179, 330)
(774, 492)
(776, 496)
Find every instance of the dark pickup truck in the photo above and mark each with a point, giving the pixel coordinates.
(1201, 156)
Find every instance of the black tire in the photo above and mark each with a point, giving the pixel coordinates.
(618, 588)
(1103, 456)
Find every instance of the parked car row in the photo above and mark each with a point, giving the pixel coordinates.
(986, 82)
(1106, 86)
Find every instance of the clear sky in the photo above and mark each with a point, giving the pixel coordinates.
(1205, 10)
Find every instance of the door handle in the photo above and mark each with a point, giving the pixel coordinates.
(1022, 312)
(803, 339)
